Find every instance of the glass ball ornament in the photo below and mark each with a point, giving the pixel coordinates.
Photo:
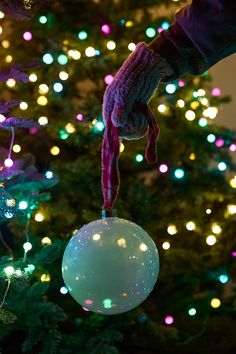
(110, 266)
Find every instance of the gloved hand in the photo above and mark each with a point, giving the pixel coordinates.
(132, 88)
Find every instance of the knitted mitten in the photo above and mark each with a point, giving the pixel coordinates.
(132, 88)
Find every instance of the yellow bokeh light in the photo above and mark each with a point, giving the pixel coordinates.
(23, 106)
(16, 148)
(33, 77)
(201, 92)
(6, 44)
(190, 115)
(211, 240)
(161, 108)
(204, 101)
(216, 229)
(70, 128)
(63, 75)
(8, 59)
(166, 245)
(11, 82)
(129, 23)
(39, 217)
(190, 226)
(10, 202)
(180, 103)
(192, 156)
(55, 150)
(233, 182)
(194, 104)
(208, 211)
(90, 52)
(46, 241)
(43, 120)
(45, 278)
(131, 46)
(111, 45)
(231, 208)
(74, 54)
(42, 101)
(210, 112)
(172, 230)
(43, 88)
(215, 303)
(2, 14)
(122, 147)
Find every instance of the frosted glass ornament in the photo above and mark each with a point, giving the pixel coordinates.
(110, 266)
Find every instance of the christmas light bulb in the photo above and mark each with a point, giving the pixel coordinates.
(150, 32)
(190, 115)
(45, 278)
(170, 88)
(43, 20)
(82, 35)
(62, 59)
(108, 79)
(231, 208)
(79, 117)
(139, 157)
(223, 278)
(8, 59)
(163, 168)
(211, 138)
(63, 290)
(161, 108)
(33, 77)
(179, 173)
(55, 150)
(106, 29)
(190, 226)
(203, 122)
(122, 147)
(9, 270)
(168, 319)
(43, 89)
(70, 128)
(2, 118)
(23, 106)
(63, 75)
(131, 46)
(48, 58)
(222, 166)
(111, 45)
(216, 229)
(180, 103)
(11, 82)
(192, 311)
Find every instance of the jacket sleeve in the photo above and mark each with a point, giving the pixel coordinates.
(203, 33)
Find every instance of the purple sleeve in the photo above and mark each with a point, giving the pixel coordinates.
(211, 26)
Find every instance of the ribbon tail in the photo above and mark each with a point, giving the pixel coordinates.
(152, 137)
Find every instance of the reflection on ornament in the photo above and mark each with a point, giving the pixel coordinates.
(110, 266)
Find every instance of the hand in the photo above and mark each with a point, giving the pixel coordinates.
(132, 88)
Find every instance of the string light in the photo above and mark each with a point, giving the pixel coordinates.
(80, 117)
(163, 168)
(43, 89)
(216, 229)
(131, 46)
(203, 122)
(70, 128)
(62, 59)
(172, 230)
(27, 36)
(43, 20)
(2, 118)
(192, 156)
(82, 35)
(139, 157)
(23, 205)
(223, 278)
(9, 270)
(46, 241)
(208, 211)
(129, 23)
(122, 147)
(6, 44)
(57, 87)
(55, 150)
(42, 101)
(180, 103)
(8, 59)
(43, 120)
(106, 29)
(215, 303)
(48, 58)
(170, 88)
(222, 166)
(108, 79)
(233, 182)
(231, 208)
(165, 25)
(63, 290)
(45, 278)
(90, 52)
(190, 226)
(179, 173)
(63, 75)
(219, 142)
(27, 246)
(150, 32)
(166, 245)
(192, 311)
(49, 174)
(211, 240)
(11, 82)
(190, 115)
(211, 138)
(2, 15)
(33, 77)
(168, 320)
(39, 217)
(16, 148)
(111, 45)
(232, 147)
(23, 106)
(8, 162)
(161, 108)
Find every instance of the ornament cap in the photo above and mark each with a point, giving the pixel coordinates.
(109, 213)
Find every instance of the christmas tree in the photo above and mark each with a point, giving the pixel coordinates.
(71, 50)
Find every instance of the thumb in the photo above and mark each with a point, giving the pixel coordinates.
(119, 115)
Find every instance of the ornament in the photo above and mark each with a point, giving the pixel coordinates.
(110, 266)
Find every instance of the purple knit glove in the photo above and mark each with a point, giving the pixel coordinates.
(132, 87)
